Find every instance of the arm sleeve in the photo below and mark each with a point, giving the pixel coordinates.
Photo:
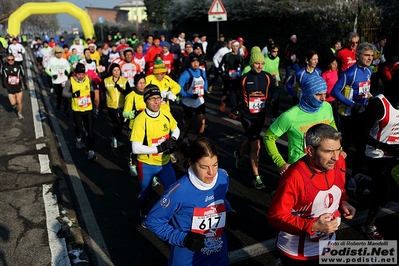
(216, 59)
(159, 217)
(269, 139)
(182, 82)
(67, 91)
(336, 92)
(174, 86)
(176, 133)
(290, 82)
(139, 148)
(288, 194)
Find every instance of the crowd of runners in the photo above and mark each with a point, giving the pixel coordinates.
(351, 99)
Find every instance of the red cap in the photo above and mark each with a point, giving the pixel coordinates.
(240, 39)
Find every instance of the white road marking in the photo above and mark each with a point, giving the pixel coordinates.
(37, 124)
(40, 146)
(58, 249)
(94, 236)
(44, 164)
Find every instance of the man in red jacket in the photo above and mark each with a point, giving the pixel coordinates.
(152, 52)
(306, 216)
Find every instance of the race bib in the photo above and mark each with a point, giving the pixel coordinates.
(364, 90)
(209, 221)
(233, 74)
(13, 80)
(257, 103)
(376, 61)
(84, 101)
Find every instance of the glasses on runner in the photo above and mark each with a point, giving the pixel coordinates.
(10, 59)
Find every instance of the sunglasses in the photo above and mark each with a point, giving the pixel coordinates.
(10, 60)
(58, 52)
(354, 43)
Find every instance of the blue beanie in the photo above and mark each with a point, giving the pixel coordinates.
(314, 84)
(166, 44)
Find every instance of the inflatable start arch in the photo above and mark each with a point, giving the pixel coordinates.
(33, 8)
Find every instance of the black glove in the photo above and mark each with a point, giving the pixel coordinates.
(194, 241)
(233, 221)
(167, 147)
(295, 99)
(76, 94)
(359, 108)
(194, 96)
(55, 76)
(66, 73)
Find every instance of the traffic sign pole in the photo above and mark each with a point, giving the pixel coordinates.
(217, 13)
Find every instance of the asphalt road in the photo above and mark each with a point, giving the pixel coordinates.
(112, 192)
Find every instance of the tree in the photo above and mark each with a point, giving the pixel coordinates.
(157, 12)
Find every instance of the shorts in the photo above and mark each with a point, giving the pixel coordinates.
(253, 127)
(14, 89)
(188, 111)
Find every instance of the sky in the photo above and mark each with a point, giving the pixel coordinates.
(67, 20)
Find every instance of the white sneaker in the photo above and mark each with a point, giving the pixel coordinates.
(79, 143)
(155, 182)
(91, 155)
(133, 170)
(20, 116)
(114, 143)
(173, 158)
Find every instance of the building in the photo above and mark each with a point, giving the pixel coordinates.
(107, 14)
(136, 10)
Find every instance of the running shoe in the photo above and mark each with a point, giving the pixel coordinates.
(96, 113)
(234, 113)
(133, 170)
(20, 116)
(372, 232)
(143, 217)
(155, 182)
(173, 158)
(114, 143)
(223, 104)
(91, 155)
(351, 184)
(79, 143)
(239, 159)
(258, 183)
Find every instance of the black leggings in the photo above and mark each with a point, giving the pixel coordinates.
(117, 122)
(58, 89)
(87, 118)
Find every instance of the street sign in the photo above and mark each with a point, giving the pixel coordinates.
(217, 8)
(100, 20)
(217, 12)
